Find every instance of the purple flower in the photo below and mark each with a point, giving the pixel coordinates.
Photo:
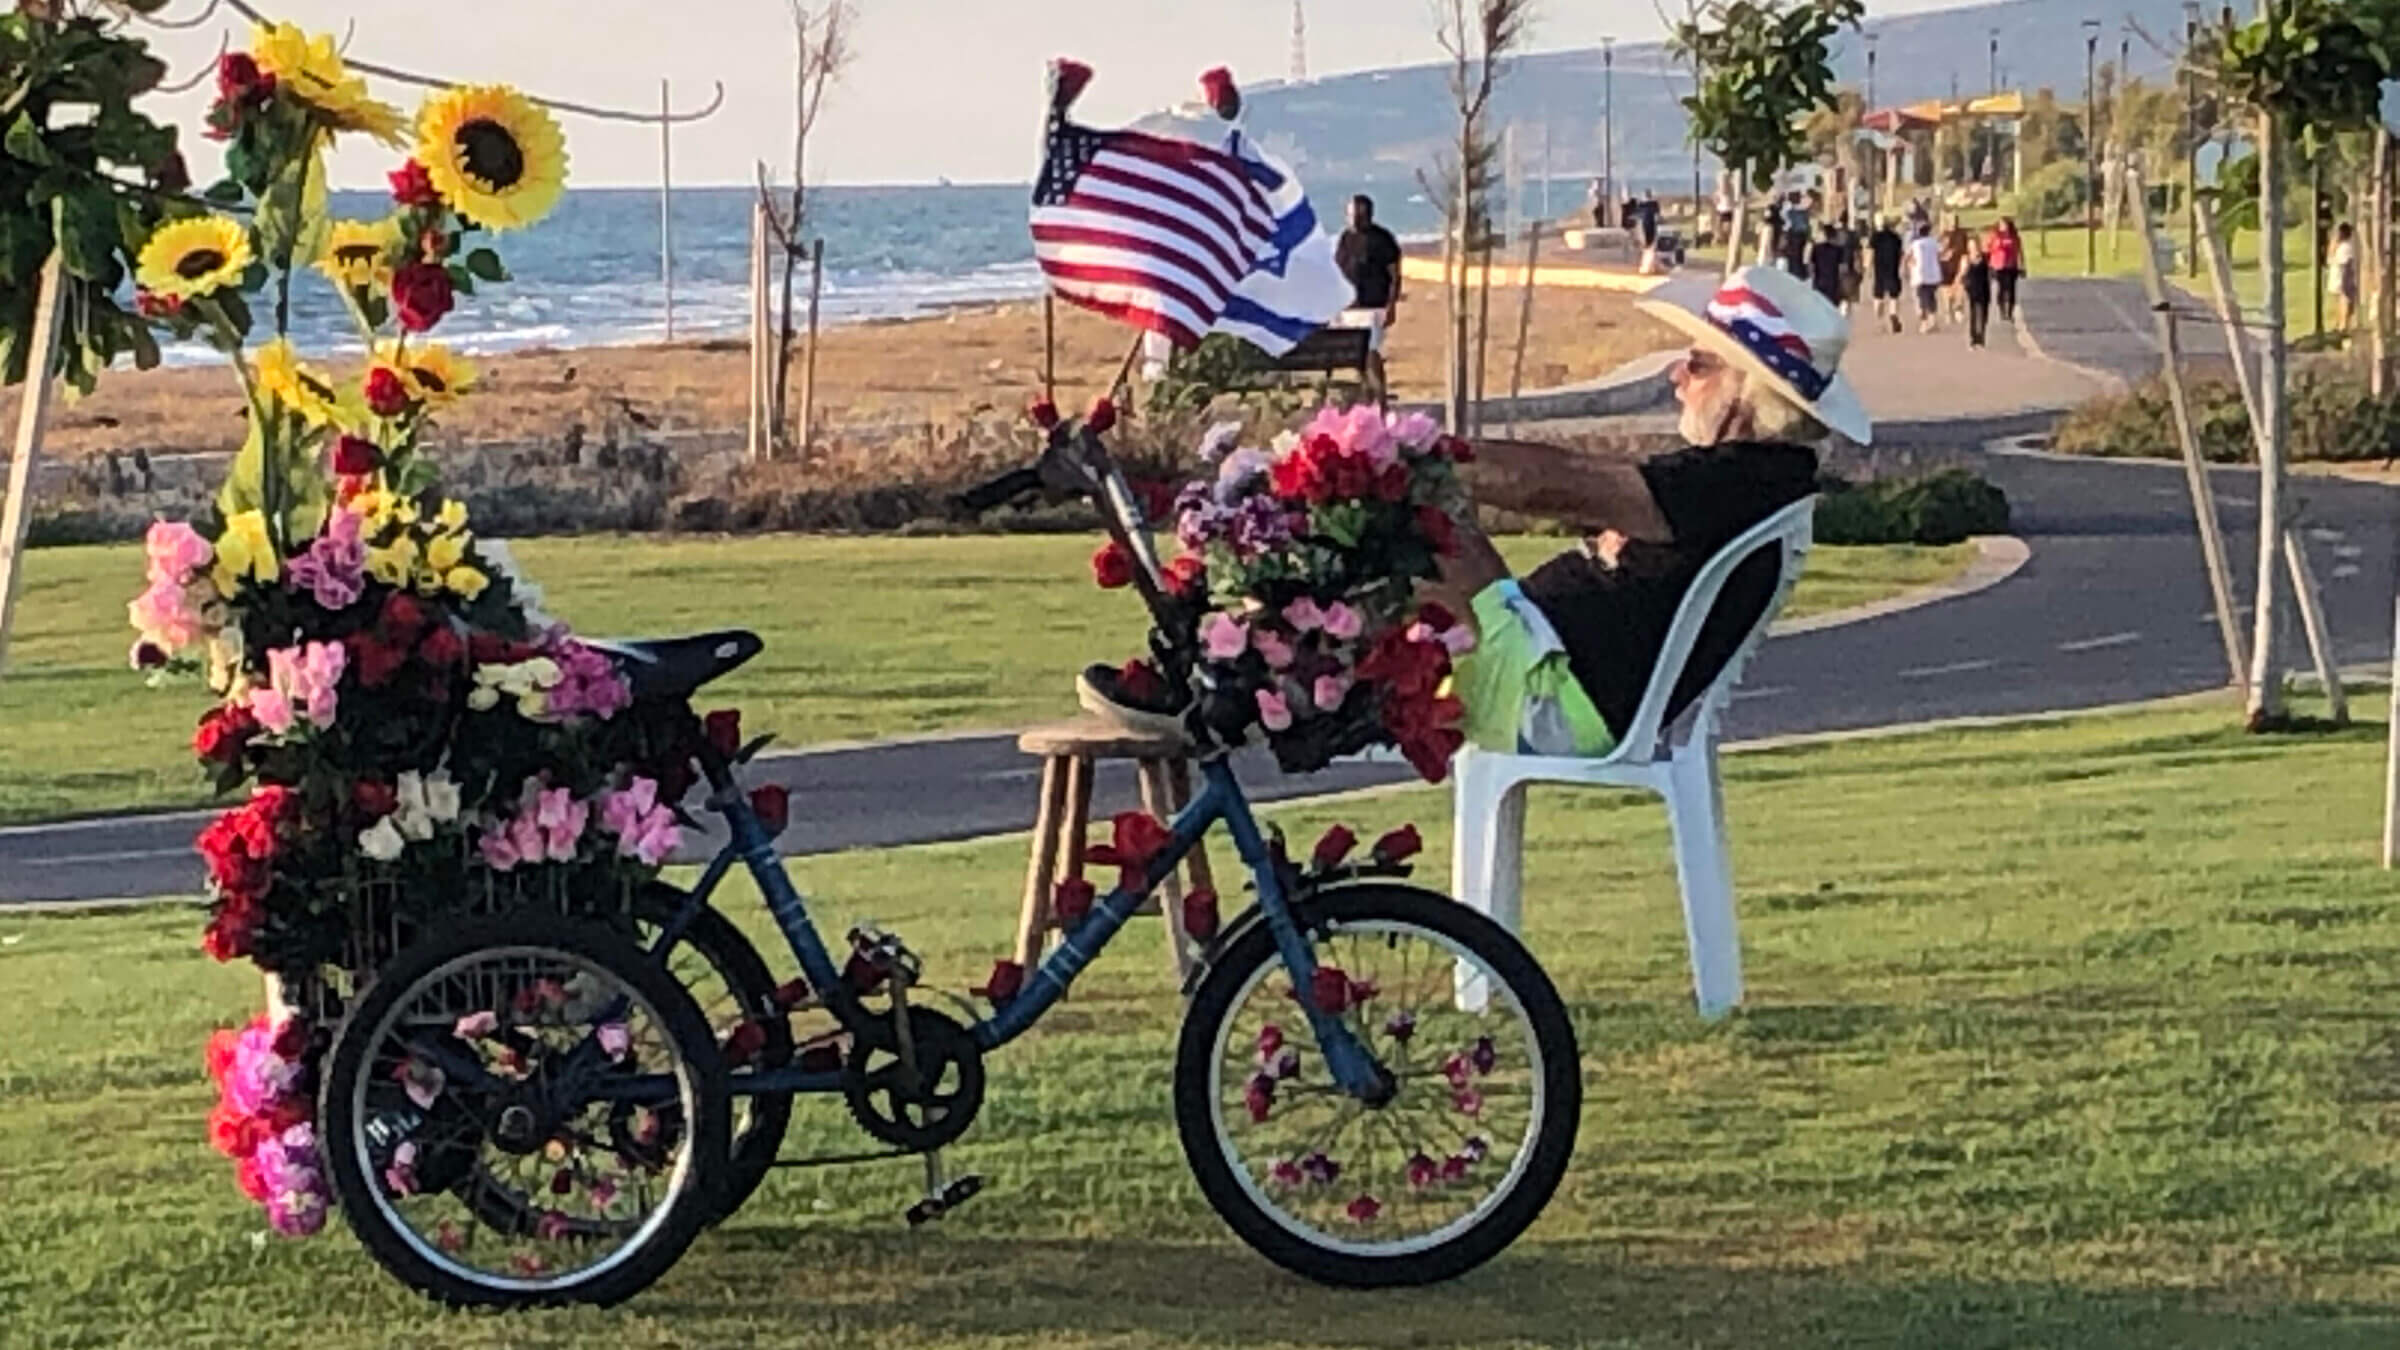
(1484, 1056)
(334, 567)
(1320, 1169)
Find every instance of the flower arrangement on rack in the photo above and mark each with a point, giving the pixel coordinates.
(1304, 560)
(407, 722)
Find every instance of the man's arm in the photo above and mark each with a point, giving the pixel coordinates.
(1587, 490)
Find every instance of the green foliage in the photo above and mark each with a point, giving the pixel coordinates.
(2332, 417)
(90, 188)
(1764, 68)
(1944, 507)
(1220, 366)
(2056, 191)
(2319, 63)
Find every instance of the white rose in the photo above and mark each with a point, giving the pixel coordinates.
(383, 843)
(483, 698)
(441, 797)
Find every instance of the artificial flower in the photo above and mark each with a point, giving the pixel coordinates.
(421, 295)
(313, 72)
(358, 254)
(1223, 637)
(332, 569)
(188, 259)
(387, 391)
(245, 552)
(412, 186)
(644, 828)
(393, 563)
(301, 389)
(383, 842)
(439, 376)
(495, 155)
(451, 517)
(355, 457)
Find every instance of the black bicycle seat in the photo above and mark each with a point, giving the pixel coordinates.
(672, 668)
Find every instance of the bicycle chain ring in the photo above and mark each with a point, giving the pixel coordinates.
(943, 1101)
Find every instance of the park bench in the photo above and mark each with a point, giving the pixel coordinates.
(1323, 353)
(1677, 760)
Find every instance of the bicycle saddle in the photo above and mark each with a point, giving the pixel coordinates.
(672, 668)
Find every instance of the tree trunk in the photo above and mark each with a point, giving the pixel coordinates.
(2379, 340)
(1737, 233)
(1465, 251)
(2266, 668)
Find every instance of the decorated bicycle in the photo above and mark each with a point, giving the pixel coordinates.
(529, 1070)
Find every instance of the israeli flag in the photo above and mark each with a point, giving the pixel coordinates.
(1299, 288)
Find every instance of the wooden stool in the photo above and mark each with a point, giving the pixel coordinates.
(1069, 752)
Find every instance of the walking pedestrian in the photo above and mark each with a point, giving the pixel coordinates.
(2341, 276)
(1885, 247)
(1645, 223)
(1955, 238)
(1370, 257)
(2007, 251)
(1796, 236)
(1925, 274)
(1825, 264)
(1975, 279)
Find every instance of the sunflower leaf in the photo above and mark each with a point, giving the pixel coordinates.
(461, 280)
(486, 264)
(24, 142)
(87, 235)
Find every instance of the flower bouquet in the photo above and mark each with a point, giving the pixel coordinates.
(1303, 563)
(417, 738)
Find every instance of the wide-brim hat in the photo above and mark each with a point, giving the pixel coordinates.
(1776, 328)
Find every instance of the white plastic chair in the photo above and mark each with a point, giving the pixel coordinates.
(1677, 760)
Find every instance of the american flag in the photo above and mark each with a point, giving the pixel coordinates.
(1153, 231)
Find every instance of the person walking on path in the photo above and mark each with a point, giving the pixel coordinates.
(1370, 257)
(2341, 277)
(1825, 264)
(1955, 239)
(1884, 248)
(1975, 280)
(1925, 275)
(1796, 235)
(1645, 221)
(2006, 249)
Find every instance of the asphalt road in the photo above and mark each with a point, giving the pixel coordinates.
(2112, 607)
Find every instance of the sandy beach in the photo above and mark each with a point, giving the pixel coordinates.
(873, 377)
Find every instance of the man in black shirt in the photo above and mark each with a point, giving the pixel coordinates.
(1885, 245)
(1565, 655)
(1370, 257)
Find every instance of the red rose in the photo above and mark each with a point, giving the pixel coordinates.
(1071, 900)
(151, 305)
(353, 456)
(746, 1041)
(222, 1044)
(387, 393)
(724, 728)
(1200, 917)
(1334, 846)
(1329, 989)
(412, 186)
(239, 79)
(1157, 498)
(1112, 566)
(1458, 451)
(232, 1133)
(1102, 416)
(442, 648)
(273, 805)
(1141, 680)
(486, 648)
(373, 799)
(375, 660)
(1439, 530)
(1399, 845)
(228, 937)
(291, 1039)
(421, 295)
(223, 733)
(1007, 980)
(1187, 574)
(1295, 478)
(1043, 412)
(773, 805)
(1436, 617)
(1346, 475)
(402, 617)
(1392, 484)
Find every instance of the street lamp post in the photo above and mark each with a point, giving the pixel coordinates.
(2091, 149)
(1883, 157)
(2191, 142)
(1995, 62)
(1608, 128)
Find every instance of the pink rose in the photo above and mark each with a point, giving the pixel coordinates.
(1330, 690)
(272, 709)
(1417, 431)
(176, 551)
(1273, 647)
(1223, 636)
(498, 853)
(1303, 615)
(1273, 712)
(1343, 622)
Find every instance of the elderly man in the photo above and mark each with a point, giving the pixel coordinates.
(1566, 652)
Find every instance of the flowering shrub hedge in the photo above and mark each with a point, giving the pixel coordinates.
(1304, 561)
(412, 731)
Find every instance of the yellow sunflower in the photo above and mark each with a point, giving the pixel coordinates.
(314, 73)
(191, 258)
(437, 374)
(304, 391)
(358, 254)
(495, 155)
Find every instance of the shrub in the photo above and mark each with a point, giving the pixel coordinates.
(2055, 191)
(1943, 507)
(2332, 417)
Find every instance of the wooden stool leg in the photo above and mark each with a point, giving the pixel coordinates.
(1078, 821)
(1158, 798)
(1033, 921)
(1196, 866)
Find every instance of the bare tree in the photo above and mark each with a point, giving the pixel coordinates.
(1478, 35)
(822, 51)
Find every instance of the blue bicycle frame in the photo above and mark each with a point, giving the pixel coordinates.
(1220, 799)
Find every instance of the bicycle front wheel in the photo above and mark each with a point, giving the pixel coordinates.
(1435, 1181)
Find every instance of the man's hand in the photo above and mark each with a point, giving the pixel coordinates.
(1608, 545)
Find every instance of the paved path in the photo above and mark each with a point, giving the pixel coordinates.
(2112, 607)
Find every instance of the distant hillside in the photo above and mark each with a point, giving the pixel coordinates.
(1382, 126)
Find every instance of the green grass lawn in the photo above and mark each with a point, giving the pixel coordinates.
(2077, 1035)
(866, 638)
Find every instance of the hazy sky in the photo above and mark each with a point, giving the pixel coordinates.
(941, 88)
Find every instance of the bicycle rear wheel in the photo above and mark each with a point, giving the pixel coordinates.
(1426, 1186)
(527, 1112)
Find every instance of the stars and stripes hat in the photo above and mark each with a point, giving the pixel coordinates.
(1775, 327)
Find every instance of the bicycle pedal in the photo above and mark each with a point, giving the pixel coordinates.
(961, 1191)
(923, 1212)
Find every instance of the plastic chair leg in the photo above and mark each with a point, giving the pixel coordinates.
(1488, 835)
(1696, 814)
